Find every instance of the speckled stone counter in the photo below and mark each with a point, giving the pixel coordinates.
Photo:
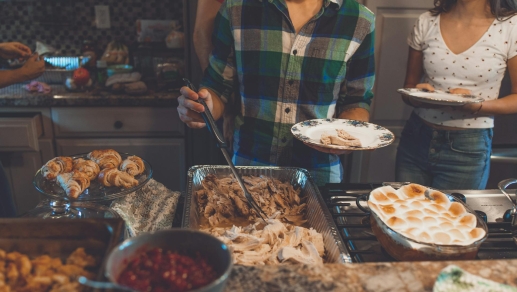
(403, 276)
(17, 96)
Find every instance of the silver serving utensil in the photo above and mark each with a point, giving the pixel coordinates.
(221, 143)
(503, 185)
(102, 285)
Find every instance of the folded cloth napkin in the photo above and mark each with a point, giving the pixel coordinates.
(151, 208)
(38, 86)
(454, 279)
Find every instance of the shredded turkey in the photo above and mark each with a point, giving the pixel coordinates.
(274, 243)
(342, 138)
(222, 201)
(222, 204)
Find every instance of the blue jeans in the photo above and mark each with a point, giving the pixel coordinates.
(442, 159)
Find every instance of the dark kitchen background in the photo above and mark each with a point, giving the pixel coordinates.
(65, 24)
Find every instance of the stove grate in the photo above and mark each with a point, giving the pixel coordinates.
(354, 227)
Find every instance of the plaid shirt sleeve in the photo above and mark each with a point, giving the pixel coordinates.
(360, 77)
(219, 75)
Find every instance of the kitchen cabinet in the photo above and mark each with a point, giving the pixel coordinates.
(393, 22)
(26, 140)
(29, 137)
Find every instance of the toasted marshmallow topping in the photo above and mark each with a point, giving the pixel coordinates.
(432, 219)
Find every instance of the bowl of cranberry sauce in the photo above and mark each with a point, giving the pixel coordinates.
(171, 260)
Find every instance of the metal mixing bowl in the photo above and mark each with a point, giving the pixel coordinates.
(185, 241)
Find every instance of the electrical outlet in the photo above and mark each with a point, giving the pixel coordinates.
(102, 16)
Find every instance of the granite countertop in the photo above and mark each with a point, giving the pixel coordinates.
(378, 277)
(17, 96)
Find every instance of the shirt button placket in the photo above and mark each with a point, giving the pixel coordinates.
(433, 146)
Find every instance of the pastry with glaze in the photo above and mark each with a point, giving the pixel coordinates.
(112, 177)
(88, 167)
(56, 166)
(106, 158)
(133, 165)
(74, 183)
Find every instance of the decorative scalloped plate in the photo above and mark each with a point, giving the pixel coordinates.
(372, 136)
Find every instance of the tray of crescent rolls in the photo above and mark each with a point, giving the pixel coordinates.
(96, 176)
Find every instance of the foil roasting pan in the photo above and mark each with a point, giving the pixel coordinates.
(318, 216)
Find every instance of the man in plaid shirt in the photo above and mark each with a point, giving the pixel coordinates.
(287, 61)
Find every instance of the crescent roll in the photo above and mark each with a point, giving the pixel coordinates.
(133, 165)
(112, 177)
(74, 183)
(88, 167)
(106, 158)
(55, 166)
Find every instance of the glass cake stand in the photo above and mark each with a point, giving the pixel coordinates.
(90, 203)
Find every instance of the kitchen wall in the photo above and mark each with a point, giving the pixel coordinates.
(65, 24)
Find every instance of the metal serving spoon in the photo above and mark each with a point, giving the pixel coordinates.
(102, 285)
(221, 143)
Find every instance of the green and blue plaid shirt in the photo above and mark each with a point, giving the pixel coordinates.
(284, 78)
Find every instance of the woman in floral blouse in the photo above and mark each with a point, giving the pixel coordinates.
(460, 46)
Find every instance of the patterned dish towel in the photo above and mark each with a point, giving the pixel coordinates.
(149, 209)
(454, 279)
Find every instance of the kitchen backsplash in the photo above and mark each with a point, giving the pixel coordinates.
(65, 24)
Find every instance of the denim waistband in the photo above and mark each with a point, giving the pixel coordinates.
(422, 126)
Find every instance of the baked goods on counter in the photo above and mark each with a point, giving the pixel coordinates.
(55, 166)
(43, 273)
(88, 167)
(342, 138)
(75, 175)
(106, 158)
(427, 226)
(431, 220)
(132, 165)
(74, 183)
(112, 177)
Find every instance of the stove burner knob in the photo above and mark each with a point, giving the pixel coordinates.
(482, 215)
(460, 197)
(507, 217)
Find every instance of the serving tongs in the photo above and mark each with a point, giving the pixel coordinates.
(221, 143)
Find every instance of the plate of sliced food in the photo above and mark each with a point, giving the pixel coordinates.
(342, 134)
(96, 176)
(455, 97)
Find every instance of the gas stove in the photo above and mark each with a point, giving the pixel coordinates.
(354, 224)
